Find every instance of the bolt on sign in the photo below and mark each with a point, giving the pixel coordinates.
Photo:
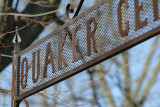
(103, 31)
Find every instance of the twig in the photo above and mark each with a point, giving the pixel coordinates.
(31, 15)
(150, 83)
(15, 30)
(145, 69)
(5, 46)
(43, 24)
(4, 91)
(6, 55)
(42, 4)
(17, 4)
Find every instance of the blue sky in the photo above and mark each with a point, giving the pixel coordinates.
(137, 54)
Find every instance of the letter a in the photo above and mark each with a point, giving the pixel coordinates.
(48, 60)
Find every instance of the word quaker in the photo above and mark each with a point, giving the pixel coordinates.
(89, 25)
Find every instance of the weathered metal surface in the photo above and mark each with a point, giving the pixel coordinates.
(16, 38)
(70, 9)
(15, 76)
(26, 102)
(15, 70)
(105, 30)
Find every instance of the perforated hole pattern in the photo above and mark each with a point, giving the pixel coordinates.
(107, 38)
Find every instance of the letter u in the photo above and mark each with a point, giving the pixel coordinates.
(34, 66)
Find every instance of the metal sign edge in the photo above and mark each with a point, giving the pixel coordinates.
(93, 62)
(62, 27)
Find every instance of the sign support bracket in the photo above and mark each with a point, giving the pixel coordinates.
(15, 69)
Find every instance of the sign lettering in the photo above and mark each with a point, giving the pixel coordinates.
(103, 31)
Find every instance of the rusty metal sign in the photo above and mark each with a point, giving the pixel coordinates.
(103, 31)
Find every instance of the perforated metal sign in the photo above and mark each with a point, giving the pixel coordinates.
(106, 29)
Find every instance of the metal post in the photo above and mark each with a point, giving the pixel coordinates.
(16, 41)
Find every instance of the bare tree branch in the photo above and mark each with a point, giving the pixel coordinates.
(94, 88)
(145, 68)
(30, 33)
(30, 15)
(105, 88)
(126, 72)
(127, 80)
(6, 91)
(150, 83)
